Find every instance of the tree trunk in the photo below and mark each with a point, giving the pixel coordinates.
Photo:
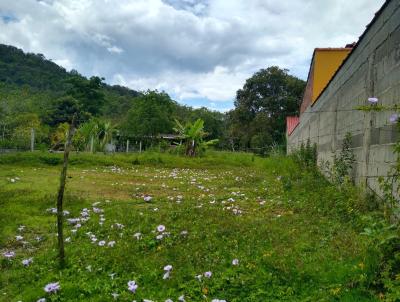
(60, 197)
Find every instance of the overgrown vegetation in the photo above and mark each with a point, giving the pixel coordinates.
(381, 226)
(37, 93)
(384, 233)
(306, 155)
(295, 236)
(226, 226)
(343, 162)
(340, 170)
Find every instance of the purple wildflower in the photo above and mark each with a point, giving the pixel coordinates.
(9, 254)
(52, 287)
(27, 262)
(97, 210)
(147, 198)
(394, 118)
(373, 100)
(132, 286)
(168, 267)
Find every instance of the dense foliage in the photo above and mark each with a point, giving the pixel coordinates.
(150, 115)
(261, 107)
(35, 92)
(31, 84)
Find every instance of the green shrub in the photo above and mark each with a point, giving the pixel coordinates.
(51, 161)
(306, 156)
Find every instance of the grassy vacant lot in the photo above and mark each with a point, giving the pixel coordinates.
(296, 237)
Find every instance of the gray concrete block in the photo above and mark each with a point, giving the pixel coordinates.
(335, 113)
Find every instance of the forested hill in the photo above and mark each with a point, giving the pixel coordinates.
(37, 93)
(34, 70)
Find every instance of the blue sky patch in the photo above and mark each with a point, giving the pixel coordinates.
(7, 18)
(213, 105)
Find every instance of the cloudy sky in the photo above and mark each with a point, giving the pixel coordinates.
(198, 51)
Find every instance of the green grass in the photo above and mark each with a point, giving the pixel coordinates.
(297, 237)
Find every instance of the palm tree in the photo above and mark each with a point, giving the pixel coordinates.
(94, 135)
(87, 135)
(106, 132)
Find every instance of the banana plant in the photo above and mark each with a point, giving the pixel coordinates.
(193, 134)
(94, 135)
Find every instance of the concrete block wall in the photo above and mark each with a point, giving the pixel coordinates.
(371, 70)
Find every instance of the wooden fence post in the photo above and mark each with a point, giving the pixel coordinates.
(91, 144)
(32, 139)
(63, 176)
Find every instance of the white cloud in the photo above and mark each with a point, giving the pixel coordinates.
(64, 63)
(115, 49)
(189, 48)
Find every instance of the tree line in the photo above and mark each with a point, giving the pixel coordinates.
(37, 93)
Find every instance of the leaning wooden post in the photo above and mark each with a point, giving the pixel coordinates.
(60, 196)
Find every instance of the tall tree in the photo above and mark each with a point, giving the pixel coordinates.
(62, 111)
(151, 115)
(262, 105)
(214, 121)
(88, 93)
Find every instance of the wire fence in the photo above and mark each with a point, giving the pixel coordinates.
(32, 140)
(23, 140)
